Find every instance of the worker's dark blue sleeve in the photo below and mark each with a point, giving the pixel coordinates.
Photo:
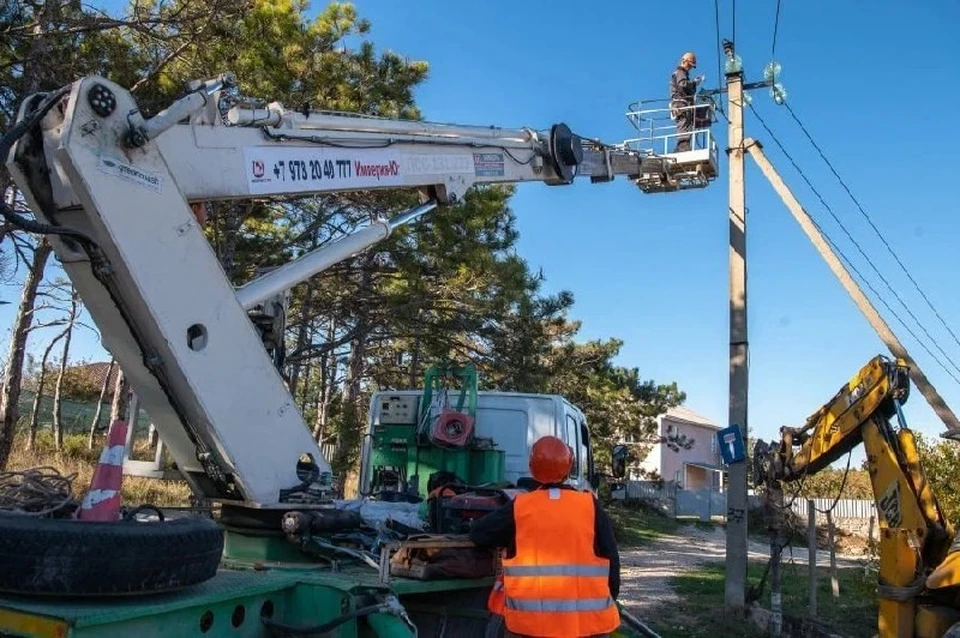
(496, 529)
(605, 545)
(682, 88)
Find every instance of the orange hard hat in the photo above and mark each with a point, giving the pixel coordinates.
(550, 460)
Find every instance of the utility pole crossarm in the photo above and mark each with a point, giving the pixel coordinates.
(896, 348)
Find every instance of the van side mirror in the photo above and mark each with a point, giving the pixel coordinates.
(618, 461)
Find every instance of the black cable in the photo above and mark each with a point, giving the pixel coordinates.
(869, 261)
(17, 131)
(776, 25)
(716, 17)
(843, 486)
(870, 221)
(38, 491)
(734, 22)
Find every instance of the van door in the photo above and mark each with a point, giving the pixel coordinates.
(572, 438)
(586, 452)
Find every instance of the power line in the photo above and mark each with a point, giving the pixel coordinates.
(850, 264)
(734, 22)
(870, 221)
(716, 15)
(853, 267)
(776, 25)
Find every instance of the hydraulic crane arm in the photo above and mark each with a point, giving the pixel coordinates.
(914, 534)
(112, 189)
(837, 426)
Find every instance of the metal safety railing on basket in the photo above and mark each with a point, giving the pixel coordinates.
(694, 164)
(656, 124)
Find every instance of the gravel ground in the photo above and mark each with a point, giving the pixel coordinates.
(646, 571)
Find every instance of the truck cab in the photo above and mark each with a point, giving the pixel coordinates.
(396, 463)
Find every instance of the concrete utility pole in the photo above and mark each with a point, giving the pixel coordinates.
(736, 558)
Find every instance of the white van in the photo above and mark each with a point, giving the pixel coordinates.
(513, 420)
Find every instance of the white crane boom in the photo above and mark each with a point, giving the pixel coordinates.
(113, 190)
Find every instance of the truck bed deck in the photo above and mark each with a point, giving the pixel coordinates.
(231, 604)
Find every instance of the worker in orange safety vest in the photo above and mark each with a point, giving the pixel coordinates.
(561, 566)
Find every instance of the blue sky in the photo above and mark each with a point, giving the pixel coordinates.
(871, 83)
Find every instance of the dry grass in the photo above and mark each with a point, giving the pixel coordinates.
(75, 458)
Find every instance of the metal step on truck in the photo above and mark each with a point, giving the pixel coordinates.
(117, 192)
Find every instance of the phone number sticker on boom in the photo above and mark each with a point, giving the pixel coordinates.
(285, 170)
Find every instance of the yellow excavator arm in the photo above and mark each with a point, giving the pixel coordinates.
(919, 569)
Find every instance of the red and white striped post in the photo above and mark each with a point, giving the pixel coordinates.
(102, 502)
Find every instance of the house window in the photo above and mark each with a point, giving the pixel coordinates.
(713, 444)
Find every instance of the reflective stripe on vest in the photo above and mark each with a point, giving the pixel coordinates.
(583, 604)
(556, 570)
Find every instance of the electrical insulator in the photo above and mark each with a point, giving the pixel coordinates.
(778, 93)
(734, 64)
(771, 72)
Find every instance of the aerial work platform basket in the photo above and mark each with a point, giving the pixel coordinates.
(694, 166)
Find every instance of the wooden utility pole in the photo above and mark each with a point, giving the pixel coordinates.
(736, 558)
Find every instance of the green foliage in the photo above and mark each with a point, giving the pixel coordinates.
(449, 287)
(827, 484)
(83, 382)
(940, 460)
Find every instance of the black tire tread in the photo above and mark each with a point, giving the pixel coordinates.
(85, 558)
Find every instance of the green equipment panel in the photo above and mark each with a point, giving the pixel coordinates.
(396, 447)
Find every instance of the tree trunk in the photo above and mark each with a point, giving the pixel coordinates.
(414, 378)
(41, 382)
(348, 434)
(58, 388)
(303, 330)
(118, 409)
(305, 389)
(320, 421)
(103, 394)
(327, 383)
(13, 373)
(232, 217)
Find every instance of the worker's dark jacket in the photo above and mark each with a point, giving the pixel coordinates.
(498, 529)
(682, 89)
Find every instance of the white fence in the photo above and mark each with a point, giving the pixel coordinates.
(860, 509)
(647, 491)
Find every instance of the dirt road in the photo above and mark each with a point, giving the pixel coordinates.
(646, 571)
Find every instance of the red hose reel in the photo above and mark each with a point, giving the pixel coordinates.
(452, 428)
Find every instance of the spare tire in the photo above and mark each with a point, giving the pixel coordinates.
(83, 558)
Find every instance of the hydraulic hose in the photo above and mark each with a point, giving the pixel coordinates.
(6, 143)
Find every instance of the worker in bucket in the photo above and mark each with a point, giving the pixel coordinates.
(682, 93)
(561, 565)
